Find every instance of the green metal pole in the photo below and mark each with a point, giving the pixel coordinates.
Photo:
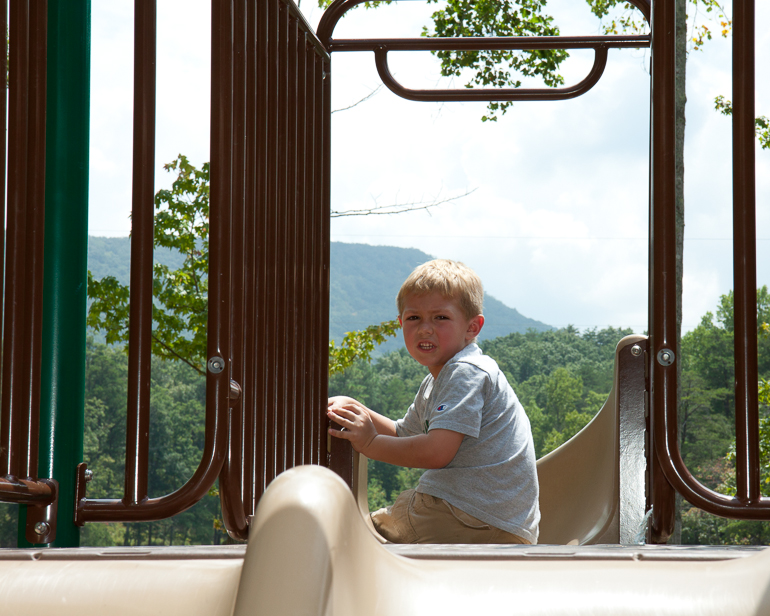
(62, 396)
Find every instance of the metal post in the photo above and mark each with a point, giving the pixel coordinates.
(66, 240)
(747, 482)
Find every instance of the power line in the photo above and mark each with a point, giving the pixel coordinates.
(536, 237)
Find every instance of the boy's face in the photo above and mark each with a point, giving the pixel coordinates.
(435, 329)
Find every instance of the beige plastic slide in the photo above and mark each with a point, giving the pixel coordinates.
(311, 552)
(580, 481)
(119, 582)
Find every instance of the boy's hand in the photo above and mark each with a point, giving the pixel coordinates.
(361, 426)
(357, 425)
(343, 400)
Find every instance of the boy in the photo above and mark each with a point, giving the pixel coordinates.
(466, 425)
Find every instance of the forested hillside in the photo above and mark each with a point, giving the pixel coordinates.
(177, 404)
(364, 282)
(707, 417)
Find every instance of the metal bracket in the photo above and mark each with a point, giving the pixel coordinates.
(80, 490)
(41, 519)
(641, 533)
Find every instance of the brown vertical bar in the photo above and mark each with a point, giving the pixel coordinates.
(319, 335)
(662, 316)
(303, 408)
(35, 231)
(293, 411)
(4, 424)
(3, 143)
(231, 480)
(325, 170)
(307, 274)
(142, 223)
(318, 442)
(237, 243)
(323, 165)
(261, 205)
(218, 340)
(311, 454)
(744, 256)
(279, 257)
(270, 232)
(341, 453)
(250, 325)
(238, 239)
(14, 418)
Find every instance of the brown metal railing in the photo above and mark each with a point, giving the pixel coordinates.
(269, 256)
(381, 47)
(136, 505)
(281, 229)
(671, 473)
(23, 246)
(268, 285)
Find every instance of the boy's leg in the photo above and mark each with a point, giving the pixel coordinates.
(393, 522)
(436, 521)
(421, 518)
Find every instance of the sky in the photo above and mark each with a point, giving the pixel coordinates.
(556, 219)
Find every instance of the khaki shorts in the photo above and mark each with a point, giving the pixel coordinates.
(420, 518)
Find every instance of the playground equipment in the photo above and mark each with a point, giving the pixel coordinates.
(310, 549)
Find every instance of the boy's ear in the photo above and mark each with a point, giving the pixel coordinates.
(474, 326)
(399, 321)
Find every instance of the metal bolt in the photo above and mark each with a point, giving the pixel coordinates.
(666, 357)
(636, 350)
(235, 390)
(216, 365)
(42, 528)
(88, 475)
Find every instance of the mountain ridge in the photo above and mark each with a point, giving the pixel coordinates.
(363, 285)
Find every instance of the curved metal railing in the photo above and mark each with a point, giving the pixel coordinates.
(382, 46)
(670, 471)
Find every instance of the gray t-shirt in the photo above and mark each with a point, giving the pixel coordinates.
(493, 476)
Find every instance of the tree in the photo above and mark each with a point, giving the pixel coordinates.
(180, 295)
(762, 123)
(177, 407)
(497, 68)
(180, 308)
(707, 410)
(359, 345)
(489, 67)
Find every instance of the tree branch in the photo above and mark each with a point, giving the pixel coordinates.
(177, 355)
(365, 98)
(396, 208)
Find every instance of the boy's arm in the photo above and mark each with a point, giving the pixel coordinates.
(435, 449)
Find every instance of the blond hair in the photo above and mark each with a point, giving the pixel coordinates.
(450, 278)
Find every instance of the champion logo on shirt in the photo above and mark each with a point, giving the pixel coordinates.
(442, 407)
